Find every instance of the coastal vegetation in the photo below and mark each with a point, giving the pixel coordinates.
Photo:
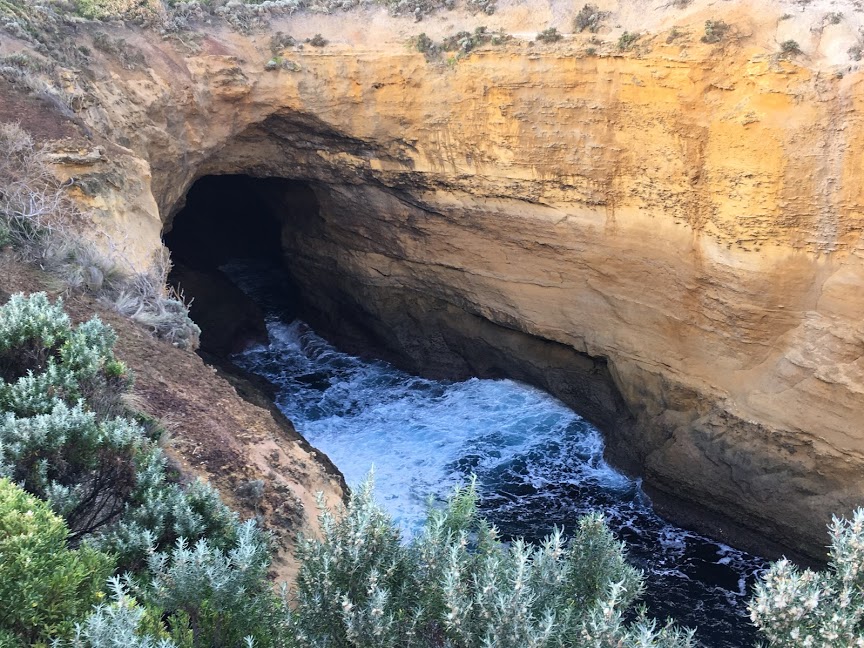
(103, 544)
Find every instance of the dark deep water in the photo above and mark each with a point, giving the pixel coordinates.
(537, 462)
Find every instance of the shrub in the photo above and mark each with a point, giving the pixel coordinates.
(138, 11)
(589, 18)
(317, 41)
(44, 225)
(148, 299)
(60, 390)
(46, 362)
(789, 48)
(816, 609)
(280, 41)
(425, 45)
(715, 31)
(550, 35)
(67, 437)
(44, 586)
(280, 63)
(122, 623)
(32, 203)
(457, 585)
(481, 6)
(84, 468)
(674, 34)
(627, 40)
(462, 42)
(194, 596)
(219, 596)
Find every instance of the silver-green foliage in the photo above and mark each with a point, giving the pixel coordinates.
(224, 595)
(44, 361)
(120, 623)
(809, 609)
(194, 595)
(457, 585)
(67, 437)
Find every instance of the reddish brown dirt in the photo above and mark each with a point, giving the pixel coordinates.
(37, 116)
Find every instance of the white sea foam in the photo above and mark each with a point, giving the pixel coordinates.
(418, 433)
(538, 463)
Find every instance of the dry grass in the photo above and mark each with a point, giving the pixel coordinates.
(44, 226)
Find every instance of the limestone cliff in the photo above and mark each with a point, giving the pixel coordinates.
(668, 236)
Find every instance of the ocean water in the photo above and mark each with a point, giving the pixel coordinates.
(538, 465)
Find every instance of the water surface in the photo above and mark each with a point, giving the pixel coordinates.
(538, 463)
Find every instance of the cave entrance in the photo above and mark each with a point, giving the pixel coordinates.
(226, 219)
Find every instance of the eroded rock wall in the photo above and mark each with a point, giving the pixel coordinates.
(695, 225)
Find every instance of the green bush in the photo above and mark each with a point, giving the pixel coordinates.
(124, 623)
(60, 389)
(589, 18)
(218, 597)
(281, 41)
(457, 585)
(795, 608)
(67, 437)
(550, 35)
(45, 361)
(190, 597)
(715, 31)
(425, 45)
(44, 586)
(627, 40)
(789, 48)
(138, 11)
(482, 6)
(462, 42)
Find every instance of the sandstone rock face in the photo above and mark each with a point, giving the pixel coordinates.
(667, 238)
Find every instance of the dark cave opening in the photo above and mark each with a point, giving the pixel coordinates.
(225, 218)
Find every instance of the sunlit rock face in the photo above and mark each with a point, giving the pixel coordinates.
(668, 238)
